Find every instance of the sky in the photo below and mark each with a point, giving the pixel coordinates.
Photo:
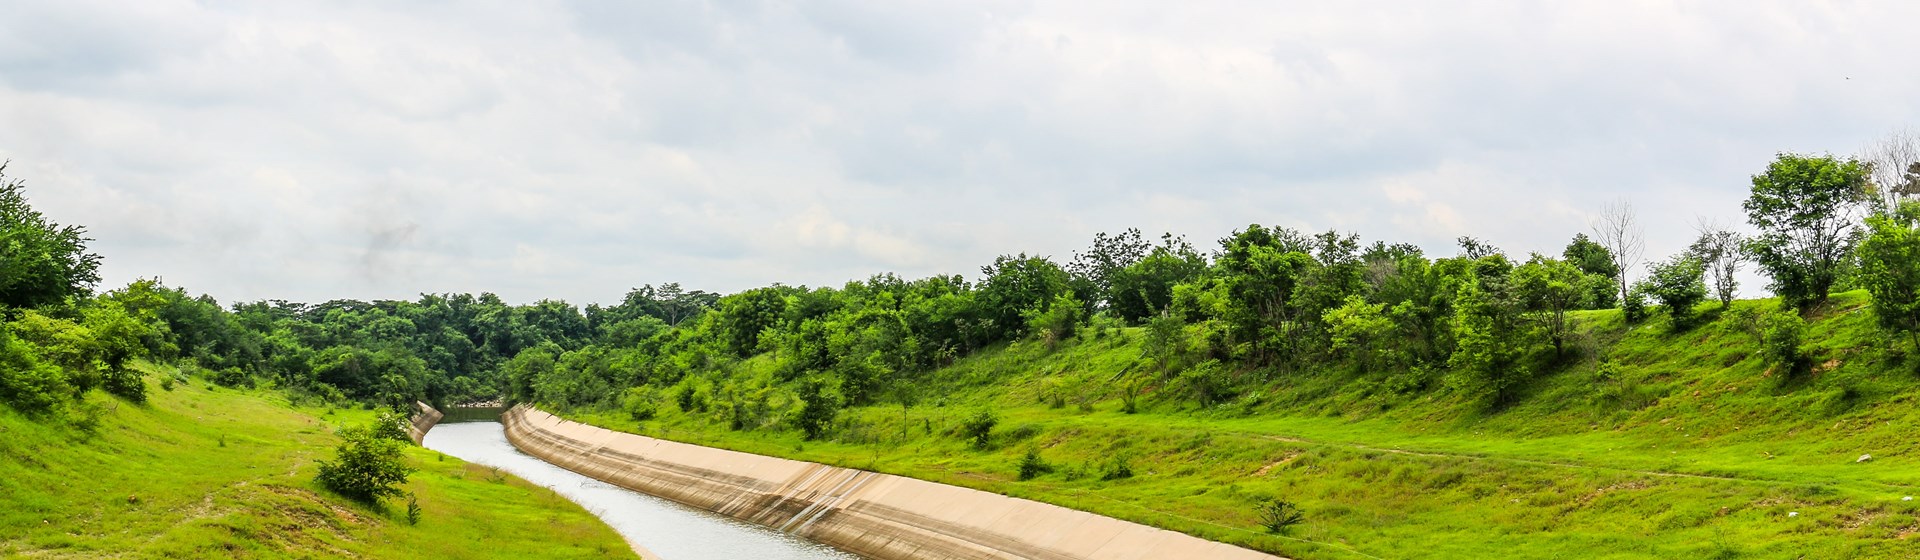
(574, 150)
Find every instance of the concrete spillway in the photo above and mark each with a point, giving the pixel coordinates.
(875, 515)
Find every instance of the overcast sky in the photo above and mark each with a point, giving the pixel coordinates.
(577, 149)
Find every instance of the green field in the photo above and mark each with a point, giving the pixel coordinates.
(207, 472)
(1684, 445)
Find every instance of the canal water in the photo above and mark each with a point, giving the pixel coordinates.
(664, 527)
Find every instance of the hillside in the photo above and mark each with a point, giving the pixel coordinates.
(209, 472)
(1647, 441)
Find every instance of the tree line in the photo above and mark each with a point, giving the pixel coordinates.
(1260, 304)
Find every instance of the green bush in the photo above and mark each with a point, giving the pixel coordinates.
(366, 466)
(640, 403)
(1117, 469)
(979, 429)
(1032, 466)
(1781, 341)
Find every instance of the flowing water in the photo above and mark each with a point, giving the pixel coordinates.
(664, 527)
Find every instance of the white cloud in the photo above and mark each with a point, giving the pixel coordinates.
(574, 150)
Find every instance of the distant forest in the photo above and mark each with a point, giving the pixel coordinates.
(1260, 303)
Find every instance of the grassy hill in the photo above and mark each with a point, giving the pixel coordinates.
(1648, 441)
(208, 472)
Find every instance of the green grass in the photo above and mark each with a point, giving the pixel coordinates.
(1686, 446)
(207, 472)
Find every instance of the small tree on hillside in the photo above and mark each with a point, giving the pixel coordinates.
(1596, 261)
(1890, 268)
(1676, 283)
(1723, 253)
(366, 466)
(1806, 208)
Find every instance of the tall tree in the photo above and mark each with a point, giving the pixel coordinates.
(1617, 228)
(41, 262)
(1807, 209)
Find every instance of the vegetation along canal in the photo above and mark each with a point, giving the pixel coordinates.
(664, 528)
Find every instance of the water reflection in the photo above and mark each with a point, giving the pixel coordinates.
(668, 529)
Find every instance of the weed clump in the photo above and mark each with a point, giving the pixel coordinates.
(1277, 515)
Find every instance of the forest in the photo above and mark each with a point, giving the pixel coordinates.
(1264, 303)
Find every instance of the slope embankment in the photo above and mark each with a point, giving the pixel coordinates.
(875, 515)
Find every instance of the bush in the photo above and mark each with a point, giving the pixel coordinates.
(1634, 308)
(390, 425)
(125, 383)
(640, 403)
(1032, 466)
(1117, 469)
(366, 466)
(979, 429)
(1277, 515)
(1781, 340)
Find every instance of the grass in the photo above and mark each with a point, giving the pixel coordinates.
(1650, 441)
(208, 472)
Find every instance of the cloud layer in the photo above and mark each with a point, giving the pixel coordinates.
(576, 149)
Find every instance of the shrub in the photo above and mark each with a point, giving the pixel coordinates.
(1781, 340)
(1634, 308)
(390, 425)
(366, 466)
(979, 429)
(1277, 515)
(124, 382)
(1032, 466)
(817, 408)
(1117, 469)
(640, 403)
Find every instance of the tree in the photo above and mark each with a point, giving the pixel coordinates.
(1016, 286)
(1676, 283)
(817, 408)
(1806, 209)
(366, 467)
(1894, 167)
(1890, 268)
(1594, 260)
(1723, 253)
(1094, 271)
(41, 262)
(1617, 228)
(1549, 288)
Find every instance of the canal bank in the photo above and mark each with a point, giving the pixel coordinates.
(875, 515)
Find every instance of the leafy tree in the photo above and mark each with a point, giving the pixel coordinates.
(1014, 287)
(1491, 335)
(1595, 260)
(817, 408)
(1890, 268)
(1805, 208)
(365, 467)
(1146, 286)
(41, 262)
(1094, 272)
(1550, 287)
(1360, 329)
(1676, 283)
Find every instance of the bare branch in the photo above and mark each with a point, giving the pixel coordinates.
(1891, 163)
(1618, 229)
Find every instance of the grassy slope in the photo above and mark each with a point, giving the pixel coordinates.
(1693, 448)
(202, 472)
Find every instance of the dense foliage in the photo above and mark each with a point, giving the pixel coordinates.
(1265, 305)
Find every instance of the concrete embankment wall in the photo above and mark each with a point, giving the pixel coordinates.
(875, 515)
(423, 419)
